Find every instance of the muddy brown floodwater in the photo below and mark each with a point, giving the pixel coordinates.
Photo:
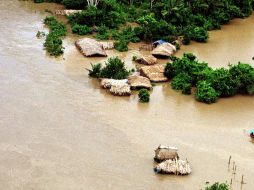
(59, 130)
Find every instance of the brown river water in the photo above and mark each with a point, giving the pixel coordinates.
(59, 130)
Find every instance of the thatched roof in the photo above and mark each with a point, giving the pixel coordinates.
(137, 82)
(107, 83)
(107, 45)
(155, 73)
(147, 60)
(177, 167)
(120, 90)
(164, 50)
(163, 153)
(90, 47)
(117, 87)
(67, 12)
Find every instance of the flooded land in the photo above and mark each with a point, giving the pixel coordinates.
(59, 130)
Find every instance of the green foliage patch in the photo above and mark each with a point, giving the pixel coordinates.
(114, 69)
(210, 84)
(53, 42)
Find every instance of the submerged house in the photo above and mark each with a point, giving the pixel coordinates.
(90, 47)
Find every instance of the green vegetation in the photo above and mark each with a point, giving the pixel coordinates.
(53, 43)
(144, 95)
(114, 69)
(206, 93)
(218, 186)
(153, 20)
(210, 84)
(81, 29)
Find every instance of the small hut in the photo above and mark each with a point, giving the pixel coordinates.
(107, 83)
(120, 90)
(137, 82)
(177, 167)
(163, 153)
(147, 60)
(117, 87)
(90, 47)
(155, 73)
(164, 50)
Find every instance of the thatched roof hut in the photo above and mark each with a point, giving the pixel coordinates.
(120, 90)
(107, 45)
(177, 167)
(163, 153)
(67, 12)
(107, 83)
(137, 82)
(164, 50)
(90, 47)
(147, 60)
(117, 87)
(155, 73)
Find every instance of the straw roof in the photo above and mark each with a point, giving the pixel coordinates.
(177, 167)
(164, 50)
(117, 87)
(67, 12)
(107, 83)
(137, 82)
(90, 47)
(147, 60)
(155, 73)
(163, 153)
(107, 45)
(120, 90)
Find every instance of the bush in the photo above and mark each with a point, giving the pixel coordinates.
(95, 71)
(114, 69)
(223, 82)
(127, 34)
(218, 186)
(182, 82)
(144, 95)
(206, 93)
(188, 64)
(199, 34)
(103, 33)
(81, 29)
(74, 4)
(245, 74)
(53, 42)
(121, 46)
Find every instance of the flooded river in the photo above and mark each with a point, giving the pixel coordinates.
(59, 130)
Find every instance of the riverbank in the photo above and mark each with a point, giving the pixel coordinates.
(55, 132)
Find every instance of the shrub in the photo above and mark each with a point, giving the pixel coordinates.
(81, 29)
(186, 89)
(223, 82)
(182, 82)
(144, 95)
(53, 42)
(95, 71)
(199, 34)
(218, 186)
(114, 69)
(206, 93)
(121, 46)
(188, 64)
(245, 74)
(103, 33)
(127, 34)
(77, 4)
